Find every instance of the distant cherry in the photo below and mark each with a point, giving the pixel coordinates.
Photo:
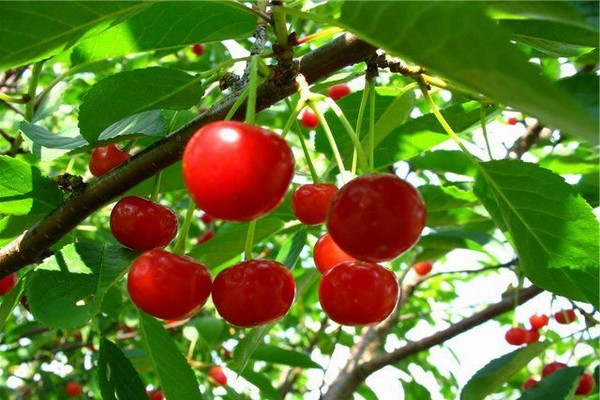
(206, 236)
(532, 336)
(8, 283)
(106, 158)
(512, 121)
(310, 202)
(565, 317)
(358, 293)
(167, 285)
(73, 389)
(516, 336)
(376, 217)
(309, 119)
(156, 395)
(552, 367)
(338, 91)
(538, 321)
(529, 383)
(217, 375)
(586, 385)
(423, 268)
(253, 292)
(198, 49)
(141, 224)
(327, 254)
(206, 219)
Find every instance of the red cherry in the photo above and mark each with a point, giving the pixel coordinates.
(309, 119)
(206, 219)
(327, 254)
(516, 336)
(253, 292)
(512, 121)
(338, 91)
(552, 367)
(168, 286)
(141, 224)
(216, 373)
(376, 217)
(529, 383)
(235, 171)
(206, 236)
(8, 283)
(156, 395)
(106, 158)
(358, 293)
(538, 321)
(565, 317)
(532, 336)
(586, 385)
(423, 268)
(198, 49)
(311, 202)
(73, 389)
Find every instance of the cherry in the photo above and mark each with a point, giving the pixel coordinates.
(309, 119)
(8, 283)
(235, 171)
(538, 321)
(198, 49)
(586, 385)
(217, 375)
(156, 395)
(532, 336)
(253, 292)
(336, 92)
(73, 389)
(529, 383)
(565, 317)
(311, 202)
(168, 286)
(512, 121)
(423, 268)
(106, 158)
(376, 217)
(206, 236)
(206, 219)
(327, 254)
(358, 293)
(141, 224)
(552, 367)
(516, 336)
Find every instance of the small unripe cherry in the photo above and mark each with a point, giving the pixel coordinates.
(73, 389)
(336, 92)
(8, 283)
(198, 49)
(205, 237)
(565, 317)
(309, 119)
(532, 336)
(538, 321)
(586, 385)
(310, 202)
(106, 158)
(529, 383)
(515, 336)
(423, 268)
(327, 254)
(218, 376)
(552, 367)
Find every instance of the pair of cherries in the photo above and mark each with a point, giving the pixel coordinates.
(584, 387)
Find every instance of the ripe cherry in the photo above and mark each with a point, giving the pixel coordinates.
(512, 121)
(358, 293)
(73, 389)
(586, 385)
(8, 283)
(516, 336)
(565, 317)
(309, 119)
(106, 158)
(423, 268)
(218, 376)
(198, 49)
(141, 224)
(532, 336)
(538, 321)
(376, 217)
(327, 254)
(529, 383)
(311, 202)
(206, 219)
(206, 236)
(253, 292)
(168, 286)
(552, 367)
(235, 171)
(156, 395)
(338, 91)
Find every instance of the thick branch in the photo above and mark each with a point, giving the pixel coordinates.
(29, 247)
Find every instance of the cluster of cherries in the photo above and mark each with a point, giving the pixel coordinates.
(584, 388)
(518, 336)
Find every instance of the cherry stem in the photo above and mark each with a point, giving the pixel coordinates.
(21, 100)
(371, 86)
(323, 33)
(250, 240)
(127, 148)
(311, 166)
(185, 228)
(293, 117)
(156, 186)
(236, 105)
(280, 27)
(252, 86)
(30, 106)
(484, 130)
(361, 112)
(520, 279)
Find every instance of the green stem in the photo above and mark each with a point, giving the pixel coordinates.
(252, 86)
(371, 85)
(33, 82)
(156, 186)
(237, 104)
(250, 240)
(293, 117)
(185, 228)
(127, 148)
(484, 130)
(361, 112)
(331, 139)
(280, 27)
(10, 99)
(520, 279)
(311, 167)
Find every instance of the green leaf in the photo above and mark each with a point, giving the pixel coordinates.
(443, 161)
(9, 302)
(173, 24)
(12, 226)
(291, 249)
(277, 355)
(132, 92)
(583, 87)
(436, 245)
(67, 289)
(366, 392)
(244, 349)
(176, 376)
(24, 191)
(559, 385)
(415, 391)
(552, 228)
(209, 329)
(489, 64)
(117, 377)
(267, 390)
(567, 12)
(493, 375)
(33, 31)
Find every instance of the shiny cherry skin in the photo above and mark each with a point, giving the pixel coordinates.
(198, 49)
(338, 91)
(253, 292)
(376, 217)
(8, 283)
(141, 224)
(106, 158)
(423, 268)
(310, 202)
(73, 389)
(309, 119)
(358, 293)
(529, 383)
(235, 171)
(532, 336)
(218, 376)
(538, 321)
(516, 336)
(167, 285)
(586, 385)
(552, 367)
(565, 317)
(156, 395)
(205, 237)
(327, 254)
